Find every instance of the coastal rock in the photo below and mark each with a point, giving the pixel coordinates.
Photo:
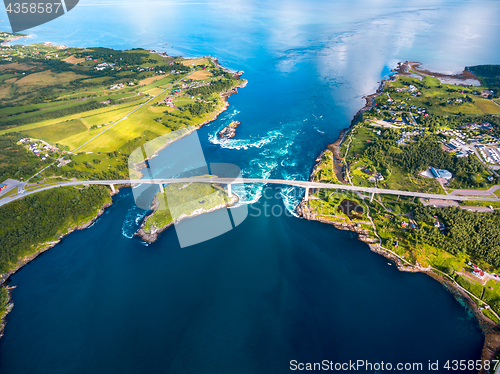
(229, 131)
(152, 236)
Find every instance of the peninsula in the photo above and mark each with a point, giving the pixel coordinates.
(70, 114)
(425, 132)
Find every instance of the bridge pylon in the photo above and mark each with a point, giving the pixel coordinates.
(162, 190)
(229, 192)
(113, 189)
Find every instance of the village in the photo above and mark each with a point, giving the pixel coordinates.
(39, 148)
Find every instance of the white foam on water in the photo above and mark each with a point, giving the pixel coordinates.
(292, 196)
(240, 144)
(132, 220)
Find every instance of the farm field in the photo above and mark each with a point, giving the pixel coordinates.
(194, 61)
(488, 106)
(200, 75)
(40, 104)
(152, 79)
(58, 131)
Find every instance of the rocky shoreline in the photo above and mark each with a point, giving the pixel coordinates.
(229, 131)
(223, 96)
(491, 330)
(44, 247)
(14, 38)
(151, 237)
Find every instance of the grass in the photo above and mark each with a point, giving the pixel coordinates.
(16, 66)
(195, 61)
(160, 83)
(12, 192)
(487, 106)
(183, 200)
(97, 163)
(494, 204)
(58, 131)
(152, 79)
(325, 170)
(200, 75)
(47, 77)
(96, 116)
(4, 90)
(153, 91)
(74, 60)
(130, 128)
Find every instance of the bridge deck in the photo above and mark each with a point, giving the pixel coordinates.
(229, 181)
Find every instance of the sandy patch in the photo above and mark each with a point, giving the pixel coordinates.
(152, 79)
(194, 61)
(200, 75)
(74, 60)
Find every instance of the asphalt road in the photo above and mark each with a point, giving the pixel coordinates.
(303, 184)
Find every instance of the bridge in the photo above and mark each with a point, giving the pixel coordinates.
(308, 185)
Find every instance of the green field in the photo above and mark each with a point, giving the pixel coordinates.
(58, 131)
(182, 201)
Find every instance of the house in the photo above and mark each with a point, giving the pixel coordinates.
(478, 273)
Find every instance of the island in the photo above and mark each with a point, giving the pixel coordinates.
(229, 131)
(191, 199)
(77, 114)
(425, 132)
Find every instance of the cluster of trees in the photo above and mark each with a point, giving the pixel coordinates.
(40, 217)
(424, 152)
(472, 233)
(453, 122)
(198, 109)
(176, 66)
(121, 58)
(91, 105)
(221, 85)
(489, 75)
(15, 161)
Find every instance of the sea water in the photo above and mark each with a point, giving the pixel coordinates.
(276, 288)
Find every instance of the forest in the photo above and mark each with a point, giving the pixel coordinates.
(453, 122)
(121, 58)
(489, 75)
(15, 161)
(476, 234)
(198, 109)
(221, 85)
(424, 152)
(40, 217)
(91, 105)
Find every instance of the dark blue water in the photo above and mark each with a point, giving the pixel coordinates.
(274, 289)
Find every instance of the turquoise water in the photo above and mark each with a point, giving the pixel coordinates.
(274, 289)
